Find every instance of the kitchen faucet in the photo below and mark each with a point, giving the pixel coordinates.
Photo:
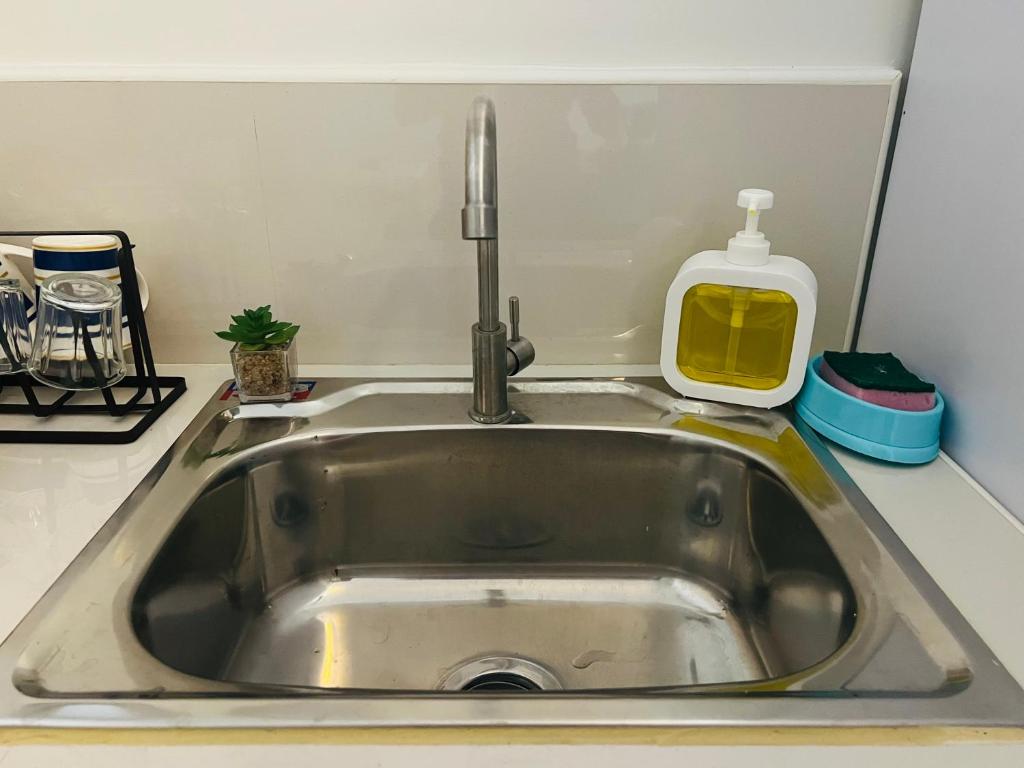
(495, 356)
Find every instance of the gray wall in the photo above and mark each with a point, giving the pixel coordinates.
(338, 203)
(946, 292)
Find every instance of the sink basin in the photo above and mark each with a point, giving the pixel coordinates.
(391, 559)
(371, 557)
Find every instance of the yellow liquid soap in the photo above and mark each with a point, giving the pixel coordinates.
(739, 337)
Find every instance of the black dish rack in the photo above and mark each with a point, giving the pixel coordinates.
(148, 396)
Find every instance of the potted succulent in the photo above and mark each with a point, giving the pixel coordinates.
(263, 357)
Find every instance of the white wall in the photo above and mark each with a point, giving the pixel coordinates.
(279, 191)
(310, 39)
(947, 285)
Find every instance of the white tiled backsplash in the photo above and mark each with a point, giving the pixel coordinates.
(339, 203)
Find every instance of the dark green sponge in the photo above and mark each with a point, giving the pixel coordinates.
(876, 370)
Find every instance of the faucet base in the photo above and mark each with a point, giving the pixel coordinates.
(480, 418)
(490, 379)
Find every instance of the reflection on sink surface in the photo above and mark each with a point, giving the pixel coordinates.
(615, 555)
(386, 560)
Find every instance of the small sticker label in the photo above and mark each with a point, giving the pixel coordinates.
(300, 390)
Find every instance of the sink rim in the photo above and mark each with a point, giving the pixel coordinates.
(991, 698)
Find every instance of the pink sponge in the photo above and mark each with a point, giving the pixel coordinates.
(901, 401)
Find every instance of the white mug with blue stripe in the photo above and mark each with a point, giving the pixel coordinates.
(94, 254)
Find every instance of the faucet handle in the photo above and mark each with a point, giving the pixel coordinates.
(513, 317)
(519, 352)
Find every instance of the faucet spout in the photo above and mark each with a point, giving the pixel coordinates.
(494, 358)
(480, 214)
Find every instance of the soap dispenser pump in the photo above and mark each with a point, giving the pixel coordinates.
(738, 322)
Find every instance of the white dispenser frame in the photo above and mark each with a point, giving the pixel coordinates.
(781, 273)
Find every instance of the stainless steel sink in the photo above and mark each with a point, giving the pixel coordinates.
(614, 555)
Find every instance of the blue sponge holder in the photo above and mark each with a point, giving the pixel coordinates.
(904, 437)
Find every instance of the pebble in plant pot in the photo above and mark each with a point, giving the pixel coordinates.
(263, 357)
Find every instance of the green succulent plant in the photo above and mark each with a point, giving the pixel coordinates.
(255, 329)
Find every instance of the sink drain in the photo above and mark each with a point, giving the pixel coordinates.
(499, 674)
(500, 681)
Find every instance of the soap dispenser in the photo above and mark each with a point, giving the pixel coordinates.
(738, 322)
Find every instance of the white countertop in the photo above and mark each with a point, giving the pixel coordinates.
(54, 498)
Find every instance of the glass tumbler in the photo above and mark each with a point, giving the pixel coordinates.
(78, 333)
(15, 339)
